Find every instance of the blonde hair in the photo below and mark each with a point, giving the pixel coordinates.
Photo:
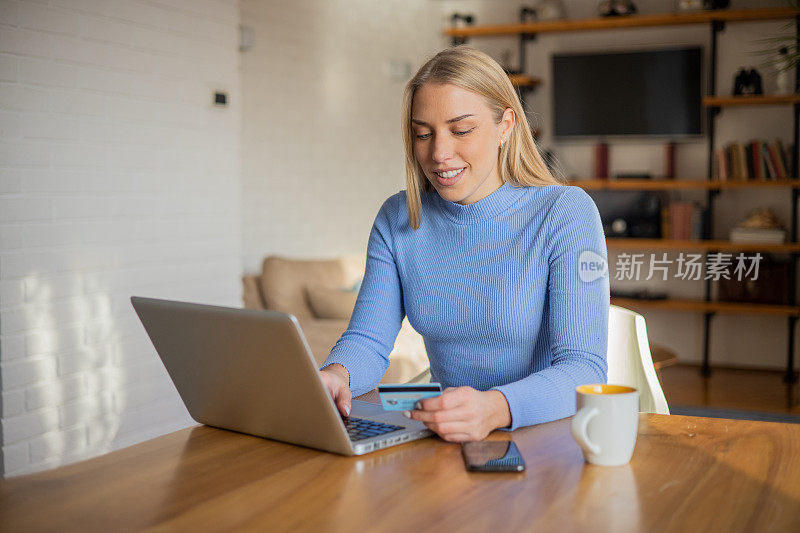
(519, 159)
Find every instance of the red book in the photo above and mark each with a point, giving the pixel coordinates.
(601, 161)
(688, 211)
(776, 162)
(670, 159)
(775, 151)
(680, 220)
(724, 171)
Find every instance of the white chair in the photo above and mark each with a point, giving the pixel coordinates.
(629, 360)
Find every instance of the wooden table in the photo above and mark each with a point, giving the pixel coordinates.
(687, 474)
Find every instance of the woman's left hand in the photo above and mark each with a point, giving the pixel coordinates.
(463, 414)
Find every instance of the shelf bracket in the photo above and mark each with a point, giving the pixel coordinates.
(708, 215)
(524, 39)
(526, 14)
(705, 370)
(468, 21)
(790, 375)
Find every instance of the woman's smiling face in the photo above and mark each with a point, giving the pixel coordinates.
(456, 141)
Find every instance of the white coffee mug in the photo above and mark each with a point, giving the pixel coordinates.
(607, 422)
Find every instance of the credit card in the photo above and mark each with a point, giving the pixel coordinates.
(402, 397)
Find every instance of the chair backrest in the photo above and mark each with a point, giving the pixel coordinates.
(629, 359)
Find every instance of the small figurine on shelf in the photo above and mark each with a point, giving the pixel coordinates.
(528, 14)
(615, 8)
(457, 20)
(747, 82)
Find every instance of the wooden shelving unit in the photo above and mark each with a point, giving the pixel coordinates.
(754, 100)
(700, 245)
(523, 80)
(714, 104)
(633, 21)
(701, 306)
(678, 184)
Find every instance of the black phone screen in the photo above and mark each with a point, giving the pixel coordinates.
(492, 456)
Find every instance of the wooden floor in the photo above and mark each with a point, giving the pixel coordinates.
(751, 390)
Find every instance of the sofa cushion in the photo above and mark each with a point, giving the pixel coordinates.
(327, 302)
(283, 282)
(251, 292)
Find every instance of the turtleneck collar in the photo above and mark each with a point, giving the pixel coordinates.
(485, 208)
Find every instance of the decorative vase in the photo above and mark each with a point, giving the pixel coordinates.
(783, 78)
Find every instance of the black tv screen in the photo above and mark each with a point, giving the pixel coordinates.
(643, 93)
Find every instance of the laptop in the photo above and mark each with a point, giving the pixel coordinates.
(252, 371)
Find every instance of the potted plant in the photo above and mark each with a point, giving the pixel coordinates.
(782, 53)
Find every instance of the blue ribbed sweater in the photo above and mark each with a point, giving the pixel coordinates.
(494, 290)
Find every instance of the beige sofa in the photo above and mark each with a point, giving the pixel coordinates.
(319, 293)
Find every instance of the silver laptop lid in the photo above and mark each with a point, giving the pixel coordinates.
(245, 370)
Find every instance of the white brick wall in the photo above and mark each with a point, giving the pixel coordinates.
(117, 177)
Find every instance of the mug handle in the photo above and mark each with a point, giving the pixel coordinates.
(579, 425)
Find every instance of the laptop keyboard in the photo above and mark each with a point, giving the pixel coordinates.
(359, 428)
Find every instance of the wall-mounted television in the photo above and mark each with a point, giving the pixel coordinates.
(646, 93)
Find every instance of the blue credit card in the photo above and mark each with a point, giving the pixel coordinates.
(403, 397)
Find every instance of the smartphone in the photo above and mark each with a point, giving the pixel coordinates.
(492, 456)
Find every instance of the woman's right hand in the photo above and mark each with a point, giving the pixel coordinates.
(337, 380)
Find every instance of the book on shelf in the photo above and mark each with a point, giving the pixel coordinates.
(785, 153)
(777, 162)
(756, 160)
(741, 159)
(749, 156)
(601, 161)
(772, 169)
(682, 221)
(740, 162)
(720, 167)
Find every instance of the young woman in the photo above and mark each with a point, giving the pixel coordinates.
(481, 252)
